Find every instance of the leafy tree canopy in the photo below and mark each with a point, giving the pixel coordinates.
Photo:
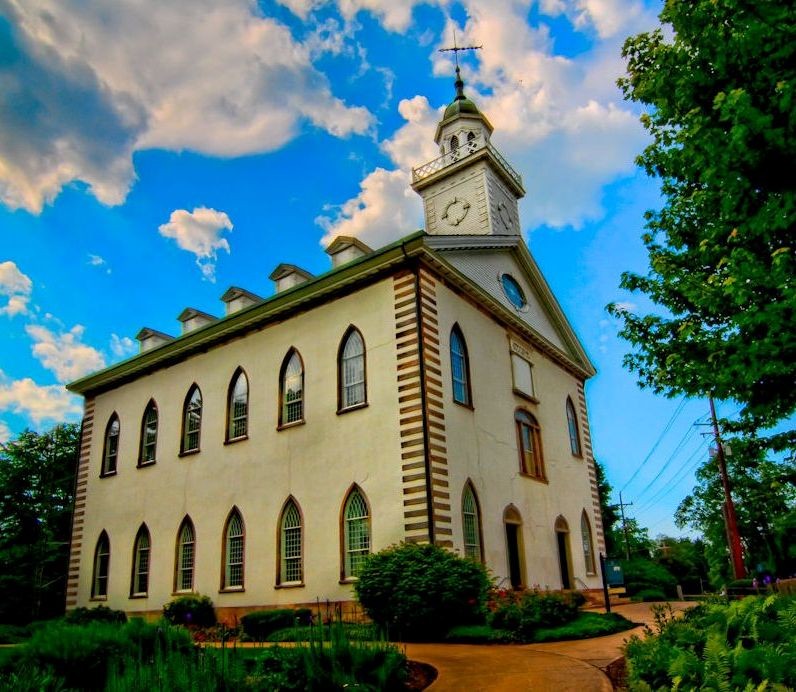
(719, 84)
(37, 478)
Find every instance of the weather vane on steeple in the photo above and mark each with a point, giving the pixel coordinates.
(455, 50)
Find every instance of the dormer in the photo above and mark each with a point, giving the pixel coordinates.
(193, 319)
(238, 298)
(287, 276)
(345, 248)
(151, 338)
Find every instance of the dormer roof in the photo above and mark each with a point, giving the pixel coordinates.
(234, 292)
(283, 270)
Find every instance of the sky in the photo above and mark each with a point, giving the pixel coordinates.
(153, 154)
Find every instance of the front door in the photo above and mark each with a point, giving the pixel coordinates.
(513, 549)
(563, 559)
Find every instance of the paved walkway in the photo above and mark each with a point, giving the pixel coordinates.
(553, 667)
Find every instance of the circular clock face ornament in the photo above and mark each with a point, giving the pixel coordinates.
(505, 216)
(455, 211)
(513, 291)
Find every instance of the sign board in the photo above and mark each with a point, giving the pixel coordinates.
(613, 573)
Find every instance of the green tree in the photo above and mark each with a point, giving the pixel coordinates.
(37, 479)
(765, 504)
(609, 511)
(685, 560)
(720, 89)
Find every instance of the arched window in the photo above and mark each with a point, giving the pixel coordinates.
(186, 556)
(140, 580)
(471, 524)
(351, 370)
(238, 406)
(110, 451)
(356, 533)
(290, 545)
(460, 367)
(191, 420)
(572, 425)
(149, 435)
(454, 143)
(234, 537)
(102, 563)
(529, 442)
(470, 136)
(291, 390)
(588, 544)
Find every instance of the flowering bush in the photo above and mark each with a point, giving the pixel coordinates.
(523, 612)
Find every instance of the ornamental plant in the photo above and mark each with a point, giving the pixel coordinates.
(420, 591)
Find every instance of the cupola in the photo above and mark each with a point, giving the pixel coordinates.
(286, 276)
(238, 298)
(193, 319)
(151, 338)
(345, 248)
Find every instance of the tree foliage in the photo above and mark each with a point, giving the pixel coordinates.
(765, 503)
(720, 88)
(37, 478)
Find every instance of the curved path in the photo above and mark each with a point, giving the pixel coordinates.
(554, 666)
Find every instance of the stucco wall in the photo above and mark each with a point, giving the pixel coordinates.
(316, 462)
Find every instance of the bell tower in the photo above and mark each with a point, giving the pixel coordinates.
(470, 189)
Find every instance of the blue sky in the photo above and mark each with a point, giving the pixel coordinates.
(153, 154)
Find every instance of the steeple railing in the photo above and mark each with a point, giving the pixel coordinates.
(460, 153)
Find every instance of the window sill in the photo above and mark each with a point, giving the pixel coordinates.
(233, 440)
(232, 589)
(107, 474)
(98, 598)
(355, 407)
(290, 585)
(591, 574)
(579, 457)
(525, 395)
(144, 464)
(463, 405)
(189, 452)
(294, 424)
(538, 479)
(139, 595)
(183, 592)
(349, 580)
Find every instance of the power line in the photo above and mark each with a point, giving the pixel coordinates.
(679, 475)
(668, 427)
(683, 440)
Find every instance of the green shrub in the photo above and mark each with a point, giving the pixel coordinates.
(304, 633)
(479, 634)
(584, 626)
(83, 616)
(642, 574)
(415, 591)
(13, 634)
(648, 595)
(524, 614)
(261, 623)
(193, 610)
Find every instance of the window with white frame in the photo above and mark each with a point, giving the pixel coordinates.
(292, 390)
(460, 368)
(149, 435)
(588, 544)
(110, 450)
(192, 420)
(290, 557)
(352, 370)
(140, 580)
(234, 552)
(471, 524)
(356, 538)
(102, 563)
(186, 552)
(238, 406)
(572, 427)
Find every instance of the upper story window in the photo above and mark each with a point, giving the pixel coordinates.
(102, 564)
(186, 552)
(234, 537)
(454, 143)
(471, 524)
(291, 390)
(460, 368)
(513, 291)
(572, 426)
(351, 371)
(290, 545)
(522, 376)
(149, 434)
(238, 406)
(529, 441)
(110, 450)
(140, 579)
(356, 533)
(588, 544)
(191, 420)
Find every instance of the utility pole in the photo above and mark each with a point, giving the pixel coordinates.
(730, 520)
(622, 504)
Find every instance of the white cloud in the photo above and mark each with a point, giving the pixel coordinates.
(98, 261)
(395, 15)
(85, 86)
(199, 232)
(17, 287)
(64, 354)
(5, 432)
(38, 402)
(123, 346)
(625, 305)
